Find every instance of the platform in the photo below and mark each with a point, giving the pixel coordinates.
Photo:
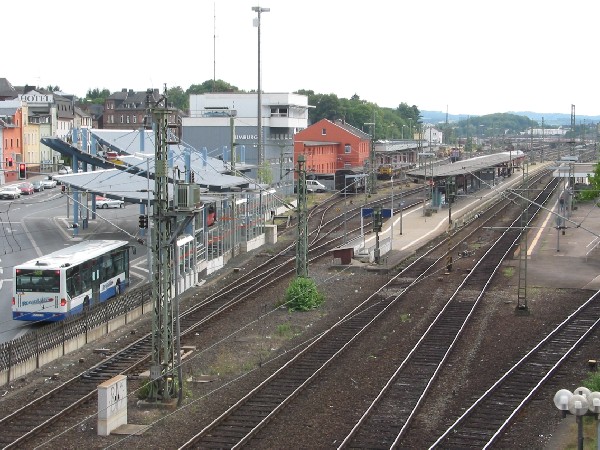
(571, 260)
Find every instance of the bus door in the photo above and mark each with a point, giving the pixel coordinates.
(96, 281)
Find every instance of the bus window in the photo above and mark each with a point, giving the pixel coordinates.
(37, 281)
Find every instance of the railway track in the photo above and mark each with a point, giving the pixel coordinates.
(387, 418)
(493, 412)
(28, 421)
(239, 424)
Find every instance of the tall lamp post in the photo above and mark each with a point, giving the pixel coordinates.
(260, 155)
(372, 188)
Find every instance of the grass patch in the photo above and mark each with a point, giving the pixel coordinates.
(508, 272)
(284, 330)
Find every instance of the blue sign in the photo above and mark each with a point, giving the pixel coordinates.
(368, 212)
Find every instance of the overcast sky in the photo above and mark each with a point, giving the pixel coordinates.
(462, 56)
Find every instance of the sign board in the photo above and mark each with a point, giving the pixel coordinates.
(368, 212)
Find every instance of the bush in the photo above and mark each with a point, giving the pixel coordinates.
(302, 295)
(592, 382)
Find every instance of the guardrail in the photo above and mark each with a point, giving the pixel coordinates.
(36, 348)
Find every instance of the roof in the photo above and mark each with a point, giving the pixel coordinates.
(577, 170)
(7, 89)
(351, 129)
(9, 107)
(129, 181)
(470, 165)
(74, 254)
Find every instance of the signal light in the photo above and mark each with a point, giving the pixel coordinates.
(22, 171)
(143, 221)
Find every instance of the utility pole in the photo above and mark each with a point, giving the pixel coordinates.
(259, 11)
(371, 185)
(162, 369)
(522, 307)
(543, 139)
(450, 195)
(232, 115)
(302, 241)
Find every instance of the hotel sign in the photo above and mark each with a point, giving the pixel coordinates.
(36, 98)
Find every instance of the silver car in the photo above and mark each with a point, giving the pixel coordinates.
(103, 202)
(49, 183)
(10, 192)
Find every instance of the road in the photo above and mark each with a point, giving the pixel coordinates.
(38, 224)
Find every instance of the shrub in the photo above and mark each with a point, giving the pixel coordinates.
(302, 295)
(592, 382)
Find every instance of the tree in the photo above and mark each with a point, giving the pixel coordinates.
(97, 96)
(211, 86)
(178, 98)
(594, 189)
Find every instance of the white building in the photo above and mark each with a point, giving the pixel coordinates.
(210, 126)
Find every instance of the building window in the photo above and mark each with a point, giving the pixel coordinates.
(347, 148)
(324, 132)
(121, 119)
(127, 119)
(134, 119)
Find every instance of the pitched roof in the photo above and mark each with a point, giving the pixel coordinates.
(7, 89)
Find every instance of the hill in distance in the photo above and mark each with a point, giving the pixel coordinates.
(550, 119)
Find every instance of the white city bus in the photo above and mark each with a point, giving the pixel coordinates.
(63, 283)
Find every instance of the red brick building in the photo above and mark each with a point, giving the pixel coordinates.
(329, 146)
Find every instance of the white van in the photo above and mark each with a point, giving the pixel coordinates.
(315, 186)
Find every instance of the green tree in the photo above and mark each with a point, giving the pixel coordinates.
(178, 98)
(594, 189)
(97, 96)
(211, 86)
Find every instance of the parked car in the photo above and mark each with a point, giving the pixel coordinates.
(65, 170)
(38, 186)
(26, 188)
(49, 183)
(10, 192)
(103, 202)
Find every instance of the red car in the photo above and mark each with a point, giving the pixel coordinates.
(26, 188)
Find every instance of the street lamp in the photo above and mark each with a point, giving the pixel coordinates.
(579, 403)
(259, 10)
(403, 127)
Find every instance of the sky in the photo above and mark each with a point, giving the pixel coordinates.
(463, 57)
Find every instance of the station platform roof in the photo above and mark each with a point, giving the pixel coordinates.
(132, 178)
(466, 166)
(577, 170)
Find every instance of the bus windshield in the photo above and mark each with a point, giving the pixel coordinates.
(37, 280)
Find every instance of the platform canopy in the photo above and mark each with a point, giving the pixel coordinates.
(465, 166)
